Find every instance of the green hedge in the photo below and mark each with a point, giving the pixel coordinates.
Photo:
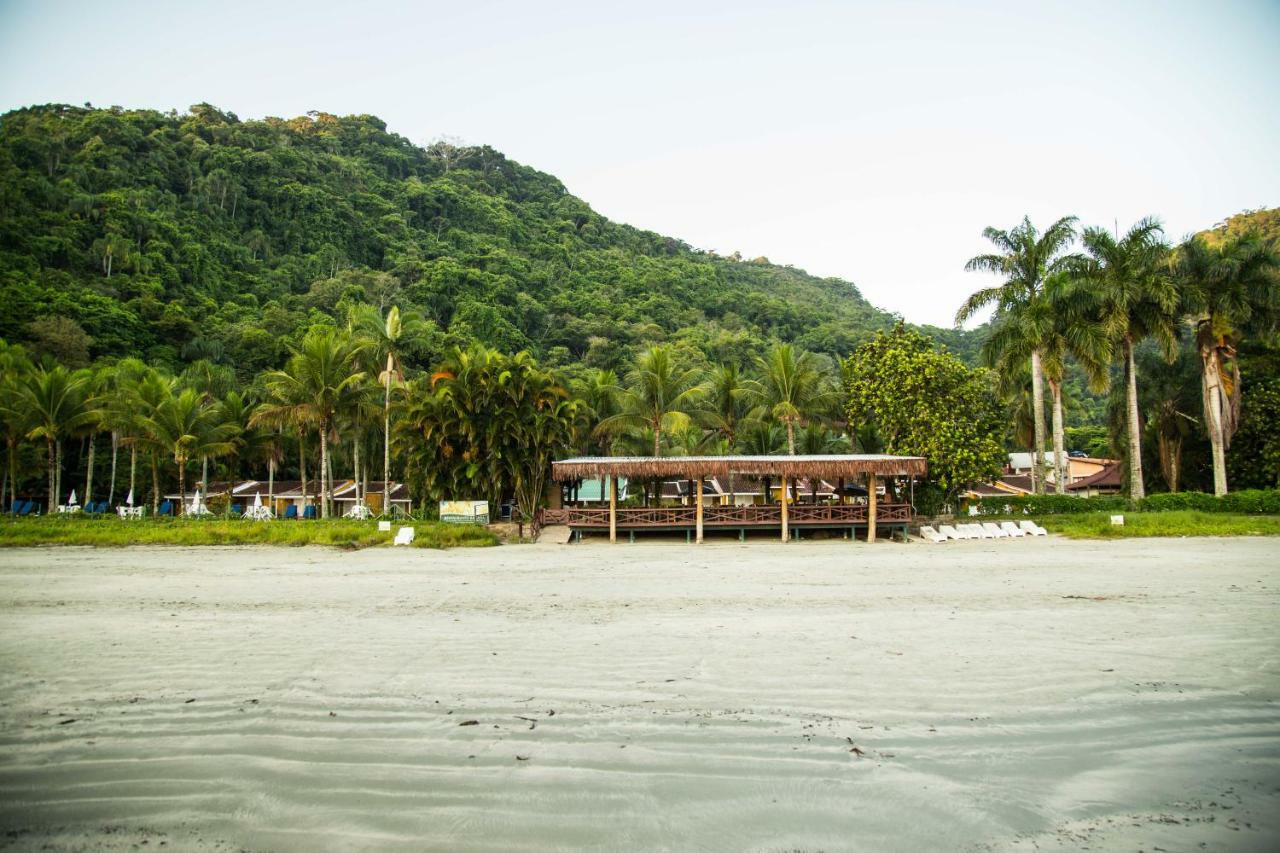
(1248, 502)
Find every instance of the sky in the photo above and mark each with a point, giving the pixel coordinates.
(867, 141)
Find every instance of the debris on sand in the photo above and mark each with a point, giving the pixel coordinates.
(533, 724)
(858, 753)
(522, 758)
(67, 721)
(469, 723)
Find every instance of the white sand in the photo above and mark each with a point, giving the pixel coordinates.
(1009, 695)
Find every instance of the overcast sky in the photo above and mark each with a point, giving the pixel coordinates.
(867, 141)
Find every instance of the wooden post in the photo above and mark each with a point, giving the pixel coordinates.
(698, 512)
(613, 508)
(785, 532)
(871, 507)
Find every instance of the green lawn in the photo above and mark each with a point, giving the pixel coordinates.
(114, 532)
(1171, 523)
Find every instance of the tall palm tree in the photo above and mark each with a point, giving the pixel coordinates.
(55, 400)
(387, 339)
(1132, 298)
(120, 413)
(1227, 289)
(1057, 326)
(15, 368)
(792, 390)
(319, 379)
(187, 426)
(660, 395)
(1024, 258)
(600, 391)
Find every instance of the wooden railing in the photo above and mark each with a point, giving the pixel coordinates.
(769, 515)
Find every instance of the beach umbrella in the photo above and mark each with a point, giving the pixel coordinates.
(129, 500)
(257, 500)
(72, 500)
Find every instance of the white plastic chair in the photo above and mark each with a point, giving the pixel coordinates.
(928, 534)
(1012, 529)
(991, 531)
(971, 531)
(1031, 528)
(404, 536)
(950, 532)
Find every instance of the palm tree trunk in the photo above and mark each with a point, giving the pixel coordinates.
(386, 441)
(133, 467)
(13, 474)
(182, 485)
(57, 488)
(355, 464)
(88, 479)
(204, 474)
(271, 485)
(1037, 415)
(53, 481)
(791, 437)
(1059, 440)
(115, 452)
(1211, 378)
(1136, 490)
(657, 442)
(324, 469)
(302, 465)
(155, 484)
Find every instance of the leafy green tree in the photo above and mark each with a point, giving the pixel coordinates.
(1024, 258)
(186, 425)
(1124, 286)
(55, 397)
(15, 368)
(1255, 456)
(1228, 288)
(660, 395)
(927, 403)
(319, 381)
(792, 390)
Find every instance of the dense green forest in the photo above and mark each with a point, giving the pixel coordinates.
(317, 296)
(176, 237)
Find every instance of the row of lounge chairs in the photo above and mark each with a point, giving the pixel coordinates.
(985, 530)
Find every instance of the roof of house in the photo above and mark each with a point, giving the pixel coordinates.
(826, 465)
(1108, 477)
(347, 490)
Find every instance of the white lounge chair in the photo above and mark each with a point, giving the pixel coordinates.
(950, 532)
(1012, 529)
(1031, 528)
(404, 536)
(991, 531)
(928, 534)
(972, 531)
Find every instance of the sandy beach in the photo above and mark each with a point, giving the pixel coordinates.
(1025, 695)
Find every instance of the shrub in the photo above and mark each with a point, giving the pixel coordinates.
(1047, 505)
(1169, 501)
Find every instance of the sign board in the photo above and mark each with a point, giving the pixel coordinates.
(464, 512)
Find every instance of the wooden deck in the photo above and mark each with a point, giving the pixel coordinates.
(800, 516)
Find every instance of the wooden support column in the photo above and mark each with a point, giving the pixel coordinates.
(785, 531)
(698, 511)
(871, 507)
(613, 508)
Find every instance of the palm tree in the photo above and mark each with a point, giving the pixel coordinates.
(1056, 325)
(387, 338)
(187, 426)
(660, 395)
(1226, 289)
(791, 389)
(55, 400)
(1025, 257)
(15, 368)
(119, 414)
(320, 379)
(1123, 280)
(599, 392)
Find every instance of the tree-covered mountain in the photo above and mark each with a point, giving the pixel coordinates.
(175, 237)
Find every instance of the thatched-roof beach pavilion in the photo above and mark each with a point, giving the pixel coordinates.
(695, 519)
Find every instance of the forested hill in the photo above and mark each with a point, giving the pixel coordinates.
(182, 236)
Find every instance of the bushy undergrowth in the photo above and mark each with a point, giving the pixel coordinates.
(115, 532)
(1178, 522)
(1247, 502)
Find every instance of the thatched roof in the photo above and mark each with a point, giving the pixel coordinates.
(827, 466)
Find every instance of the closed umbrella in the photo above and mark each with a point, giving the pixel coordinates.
(71, 501)
(129, 499)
